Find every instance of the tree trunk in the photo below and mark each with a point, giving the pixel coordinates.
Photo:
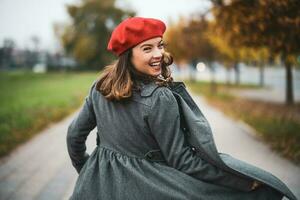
(193, 72)
(228, 76)
(289, 97)
(261, 74)
(213, 84)
(237, 73)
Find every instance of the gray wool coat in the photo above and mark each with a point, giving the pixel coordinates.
(157, 145)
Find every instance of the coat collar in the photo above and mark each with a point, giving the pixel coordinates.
(148, 88)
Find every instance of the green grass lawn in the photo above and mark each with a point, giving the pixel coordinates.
(277, 124)
(30, 101)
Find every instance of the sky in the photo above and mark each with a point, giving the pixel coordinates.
(20, 20)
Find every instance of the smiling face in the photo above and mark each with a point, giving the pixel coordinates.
(147, 56)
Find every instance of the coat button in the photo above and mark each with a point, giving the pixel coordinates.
(193, 149)
(149, 155)
(184, 129)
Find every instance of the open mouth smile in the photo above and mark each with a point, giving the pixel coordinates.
(155, 64)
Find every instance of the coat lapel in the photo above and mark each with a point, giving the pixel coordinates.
(199, 135)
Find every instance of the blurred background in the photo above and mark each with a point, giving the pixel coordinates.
(242, 57)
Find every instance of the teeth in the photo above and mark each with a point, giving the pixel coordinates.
(155, 64)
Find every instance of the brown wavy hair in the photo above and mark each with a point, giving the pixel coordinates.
(119, 79)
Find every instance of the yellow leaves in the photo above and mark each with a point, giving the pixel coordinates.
(261, 26)
(223, 47)
(68, 35)
(174, 37)
(72, 10)
(291, 59)
(255, 54)
(86, 36)
(85, 48)
(257, 23)
(236, 29)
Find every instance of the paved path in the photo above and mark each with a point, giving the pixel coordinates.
(265, 94)
(41, 169)
(239, 140)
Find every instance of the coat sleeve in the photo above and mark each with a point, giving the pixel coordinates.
(78, 131)
(164, 123)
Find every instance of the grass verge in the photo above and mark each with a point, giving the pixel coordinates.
(29, 102)
(277, 124)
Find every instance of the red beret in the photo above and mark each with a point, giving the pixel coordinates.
(133, 31)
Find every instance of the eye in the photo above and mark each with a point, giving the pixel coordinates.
(147, 49)
(161, 45)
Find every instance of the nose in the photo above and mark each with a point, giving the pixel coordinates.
(158, 53)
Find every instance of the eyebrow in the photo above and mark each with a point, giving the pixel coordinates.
(150, 44)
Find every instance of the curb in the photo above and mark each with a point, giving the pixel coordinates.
(248, 129)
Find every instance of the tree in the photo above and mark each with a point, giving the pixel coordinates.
(192, 43)
(227, 54)
(6, 54)
(200, 48)
(174, 40)
(87, 36)
(262, 23)
(36, 42)
(258, 56)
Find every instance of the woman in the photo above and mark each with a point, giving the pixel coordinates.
(144, 120)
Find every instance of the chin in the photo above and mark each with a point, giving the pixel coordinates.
(155, 74)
